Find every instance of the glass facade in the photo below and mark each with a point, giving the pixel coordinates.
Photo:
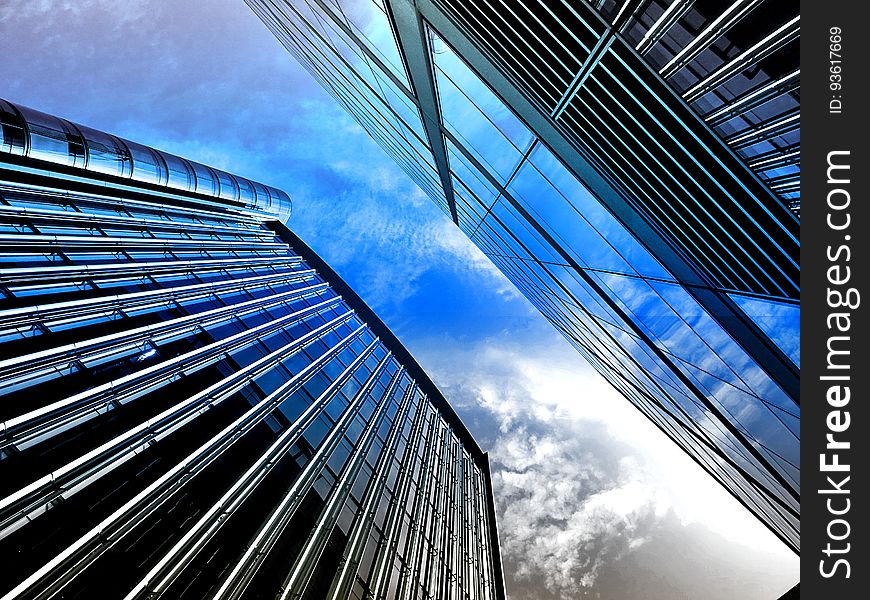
(632, 167)
(194, 403)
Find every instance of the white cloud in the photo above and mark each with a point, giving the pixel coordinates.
(580, 477)
(563, 516)
(579, 473)
(394, 223)
(50, 10)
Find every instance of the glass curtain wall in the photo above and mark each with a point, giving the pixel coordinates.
(632, 168)
(194, 403)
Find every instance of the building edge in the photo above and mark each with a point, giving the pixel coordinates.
(371, 319)
(120, 161)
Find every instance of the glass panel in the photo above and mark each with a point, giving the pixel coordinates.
(246, 190)
(148, 166)
(279, 197)
(180, 173)
(229, 189)
(105, 153)
(718, 367)
(590, 230)
(473, 113)
(369, 21)
(338, 43)
(778, 320)
(11, 130)
(468, 207)
(49, 138)
(471, 178)
(206, 180)
(514, 234)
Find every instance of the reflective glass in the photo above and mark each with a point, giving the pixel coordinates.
(473, 113)
(105, 153)
(347, 55)
(179, 171)
(229, 187)
(48, 138)
(779, 320)
(246, 191)
(148, 166)
(12, 132)
(559, 186)
(581, 266)
(370, 95)
(369, 21)
(471, 178)
(206, 180)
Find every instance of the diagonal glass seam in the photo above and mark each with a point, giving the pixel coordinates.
(620, 21)
(716, 423)
(601, 47)
(539, 122)
(725, 312)
(661, 354)
(773, 408)
(764, 233)
(415, 48)
(631, 175)
(507, 182)
(370, 56)
(486, 116)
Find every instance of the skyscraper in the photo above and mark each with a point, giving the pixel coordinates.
(632, 167)
(195, 405)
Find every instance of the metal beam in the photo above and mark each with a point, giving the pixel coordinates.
(413, 43)
(780, 157)
(764, 48)
(726, 313)
(619, 23)
(658, 30)
(732, 15)
(754, 97)
(764, 131)
(629, 9)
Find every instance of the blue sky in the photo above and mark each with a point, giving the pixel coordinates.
(593, 501)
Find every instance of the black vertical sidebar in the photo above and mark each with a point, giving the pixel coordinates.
(835, 299)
